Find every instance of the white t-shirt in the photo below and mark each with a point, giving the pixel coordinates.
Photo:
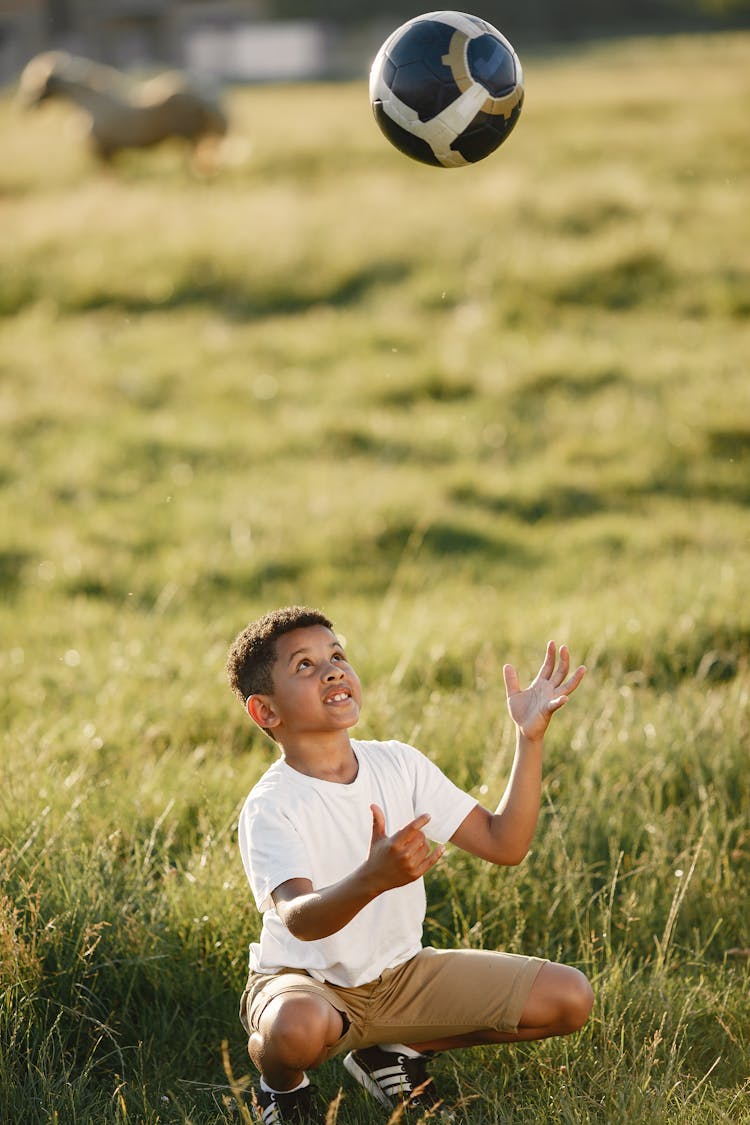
(297, 827)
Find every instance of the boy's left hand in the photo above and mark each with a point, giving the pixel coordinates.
(532, 709)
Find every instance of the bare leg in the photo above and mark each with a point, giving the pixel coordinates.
(206, 153)
(296, 1030)
(559, 1003)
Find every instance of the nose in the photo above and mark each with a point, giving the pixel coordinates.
(333, 672)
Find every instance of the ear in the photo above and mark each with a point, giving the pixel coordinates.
(260, 710)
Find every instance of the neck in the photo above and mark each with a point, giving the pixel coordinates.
(84, 95)
(329, 757)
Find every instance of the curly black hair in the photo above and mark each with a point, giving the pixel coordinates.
(253, 651)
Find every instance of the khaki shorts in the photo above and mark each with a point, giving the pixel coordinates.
(437, 994)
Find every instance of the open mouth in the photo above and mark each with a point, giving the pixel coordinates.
(339, 697)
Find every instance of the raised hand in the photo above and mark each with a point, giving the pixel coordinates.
(403, 857)
(532, 708)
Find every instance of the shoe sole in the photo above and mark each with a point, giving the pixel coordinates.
(361, 1075)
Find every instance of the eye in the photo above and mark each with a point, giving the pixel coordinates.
(339, 656)
(304, 663)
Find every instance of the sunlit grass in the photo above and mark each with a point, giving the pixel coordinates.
(462, 412)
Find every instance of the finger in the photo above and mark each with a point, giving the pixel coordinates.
(563, 666)
(548, 666)
(419, 847)
(574, 680)
(435, 855)
(413, 828)
(414, 858)
(378, 822)
(511, 680)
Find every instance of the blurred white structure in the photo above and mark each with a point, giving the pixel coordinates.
(255, 52)
(234, 40)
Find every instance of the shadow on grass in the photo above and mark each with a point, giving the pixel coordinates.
(434, 387)
(714, 655)
(448, 539)
(12, 566)
(636, 279)
(201, 283)
(675, 479)
(356, 441)
(570, 383)
(555, 503)
(731, 443)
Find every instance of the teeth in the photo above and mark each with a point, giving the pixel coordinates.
(338, 697)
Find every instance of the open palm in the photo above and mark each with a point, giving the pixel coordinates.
(532, 708)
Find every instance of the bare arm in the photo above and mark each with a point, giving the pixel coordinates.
(504, 837)
(310, 913)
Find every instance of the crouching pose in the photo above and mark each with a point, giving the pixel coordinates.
(336, 838)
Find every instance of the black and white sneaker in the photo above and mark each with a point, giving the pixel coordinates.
(298, 1106)
(394, 1079)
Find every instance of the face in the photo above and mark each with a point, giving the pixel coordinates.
(315, 689)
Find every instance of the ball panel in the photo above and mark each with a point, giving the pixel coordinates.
(461, 21)
(387, 72)
(406, 142)
(456, 60)
(402, 139)
(417, 74)
(420, 39)
(507, 106)
(438, 134)
(475, 144)
(485, 133)
(491, 64)
(463, 111)
(416, 86)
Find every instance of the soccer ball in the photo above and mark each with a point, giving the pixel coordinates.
(446, 88)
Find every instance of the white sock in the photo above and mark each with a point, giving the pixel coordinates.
(270, 1090)
(400, 1049)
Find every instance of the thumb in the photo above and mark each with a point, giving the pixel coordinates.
(511, 680)
(378, 822)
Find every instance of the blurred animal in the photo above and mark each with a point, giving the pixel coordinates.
(125, 114)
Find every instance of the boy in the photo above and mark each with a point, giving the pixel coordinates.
(335, 843)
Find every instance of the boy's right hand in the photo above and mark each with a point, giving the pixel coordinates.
(393, 861)
(403, 857)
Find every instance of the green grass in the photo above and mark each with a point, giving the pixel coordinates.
(462, 412)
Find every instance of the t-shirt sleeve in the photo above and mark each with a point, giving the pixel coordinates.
(436, 794)
(271, 848)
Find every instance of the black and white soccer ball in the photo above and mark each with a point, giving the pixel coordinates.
(446, 88)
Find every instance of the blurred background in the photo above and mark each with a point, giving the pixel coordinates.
(257, 40)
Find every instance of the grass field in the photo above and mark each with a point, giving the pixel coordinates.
(460, 411)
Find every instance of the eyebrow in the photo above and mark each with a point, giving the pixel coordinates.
(302, 651)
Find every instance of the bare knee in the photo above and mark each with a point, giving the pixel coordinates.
(577, 1001)
(297, 1029)
(559, 1002)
